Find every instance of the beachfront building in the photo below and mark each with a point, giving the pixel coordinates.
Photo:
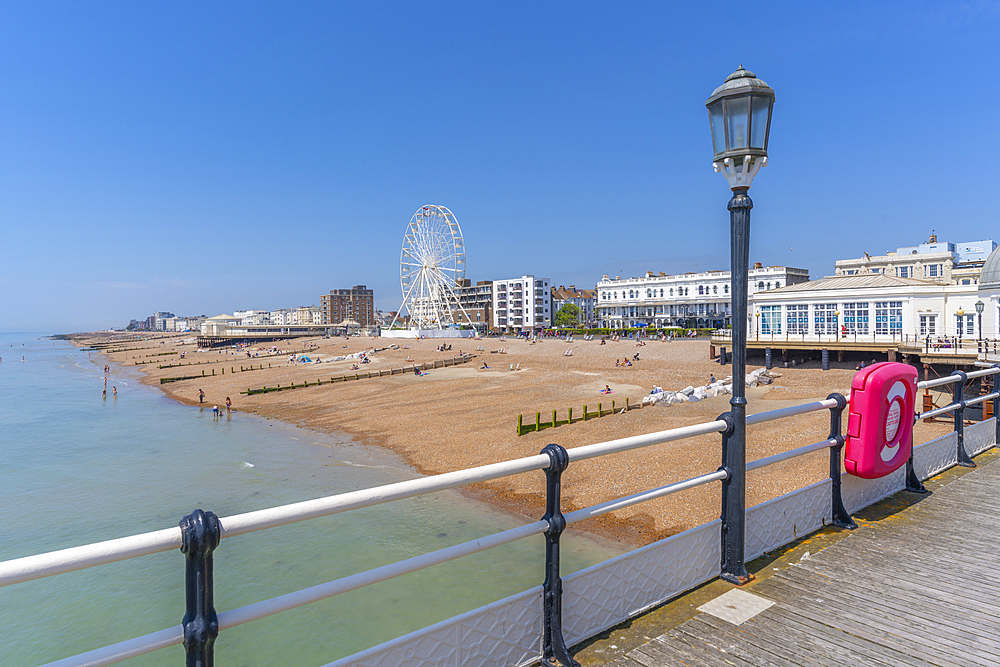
(935, 261)
(584, 299)
(357, 304)
(252, 318)
(477, 302)
(877, 306)
(522, 304)
(158, 321)
(688, 300)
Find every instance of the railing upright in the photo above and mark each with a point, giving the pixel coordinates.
(200, 532)
(733, 503)
(959, 399)
(841, 517)
(996, 407)
(555, 653)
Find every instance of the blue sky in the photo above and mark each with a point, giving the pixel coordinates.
(206, 157)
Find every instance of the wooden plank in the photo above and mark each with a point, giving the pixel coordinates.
(738, 644)
(849, 616)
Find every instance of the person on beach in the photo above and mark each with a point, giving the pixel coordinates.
(229, 404)
(606, 390)
(201, 395)
(104, 393)
(215, 413)
(114, 391)
(711, 378)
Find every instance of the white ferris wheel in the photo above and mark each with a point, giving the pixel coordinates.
(431, 267)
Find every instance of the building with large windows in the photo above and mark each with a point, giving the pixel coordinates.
(867, 308)
(689, 300)
(522, 304)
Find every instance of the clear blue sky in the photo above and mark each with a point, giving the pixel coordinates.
(206, 157)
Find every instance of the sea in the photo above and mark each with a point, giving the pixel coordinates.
(76, 468)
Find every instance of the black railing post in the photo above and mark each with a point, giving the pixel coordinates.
(841, 517)
(733, 504)
(959, 397)
(200, 533)
(996, 407)
(913, 482)
(554, 650)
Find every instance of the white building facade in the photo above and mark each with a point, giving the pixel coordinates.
(689, 300)
(936, 261)
(522, 304)
(872, 308)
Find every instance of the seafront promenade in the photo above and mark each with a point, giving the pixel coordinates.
(913, 585)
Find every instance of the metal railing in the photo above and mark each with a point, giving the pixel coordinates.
(200, 533)
(950, 344)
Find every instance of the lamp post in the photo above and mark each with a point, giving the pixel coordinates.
(980, 306)
(836, 323)
(739, 112)
(958, 318)
(757, 315)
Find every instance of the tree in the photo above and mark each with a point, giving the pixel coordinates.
(568, 316)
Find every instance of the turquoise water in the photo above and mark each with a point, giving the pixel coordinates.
(76, 469)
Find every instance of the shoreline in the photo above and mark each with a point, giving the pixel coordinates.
(463, 416)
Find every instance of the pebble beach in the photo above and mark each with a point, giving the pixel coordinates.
(466, 415)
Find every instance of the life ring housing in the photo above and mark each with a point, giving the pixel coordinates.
(880, 419)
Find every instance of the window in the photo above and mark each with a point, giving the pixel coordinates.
(824, 318)
(969, 328)
(661, 292)
(649, 294)
(927, 325)
(671, 291)
(797, 318)
(715, 289)
(967, 282)
(760, 285)
(768, 284)
(616, 295)
(904, 271)
(888, 317)
(725, 288)
(770, 319)
(856, 318)
(935, 270)
(777, 285)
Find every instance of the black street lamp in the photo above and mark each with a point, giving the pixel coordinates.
(980, 306)
(739, 112)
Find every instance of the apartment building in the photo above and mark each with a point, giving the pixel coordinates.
(356, 303)
(937, 261)
(522, 304)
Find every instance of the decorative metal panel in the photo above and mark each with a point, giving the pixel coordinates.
(980, 436)
(509, 631)
(787, 518)
(606, 594)
(505, 632)
(860, 493)
(935, 455)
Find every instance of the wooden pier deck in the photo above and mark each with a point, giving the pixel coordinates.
(917, 586)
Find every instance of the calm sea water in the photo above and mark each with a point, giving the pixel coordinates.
(76, 469)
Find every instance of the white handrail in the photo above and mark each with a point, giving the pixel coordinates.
(33, 567)
(791, 454)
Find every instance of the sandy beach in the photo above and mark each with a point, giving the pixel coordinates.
(463, 416)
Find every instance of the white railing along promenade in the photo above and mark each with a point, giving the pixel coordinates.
(594, 599)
